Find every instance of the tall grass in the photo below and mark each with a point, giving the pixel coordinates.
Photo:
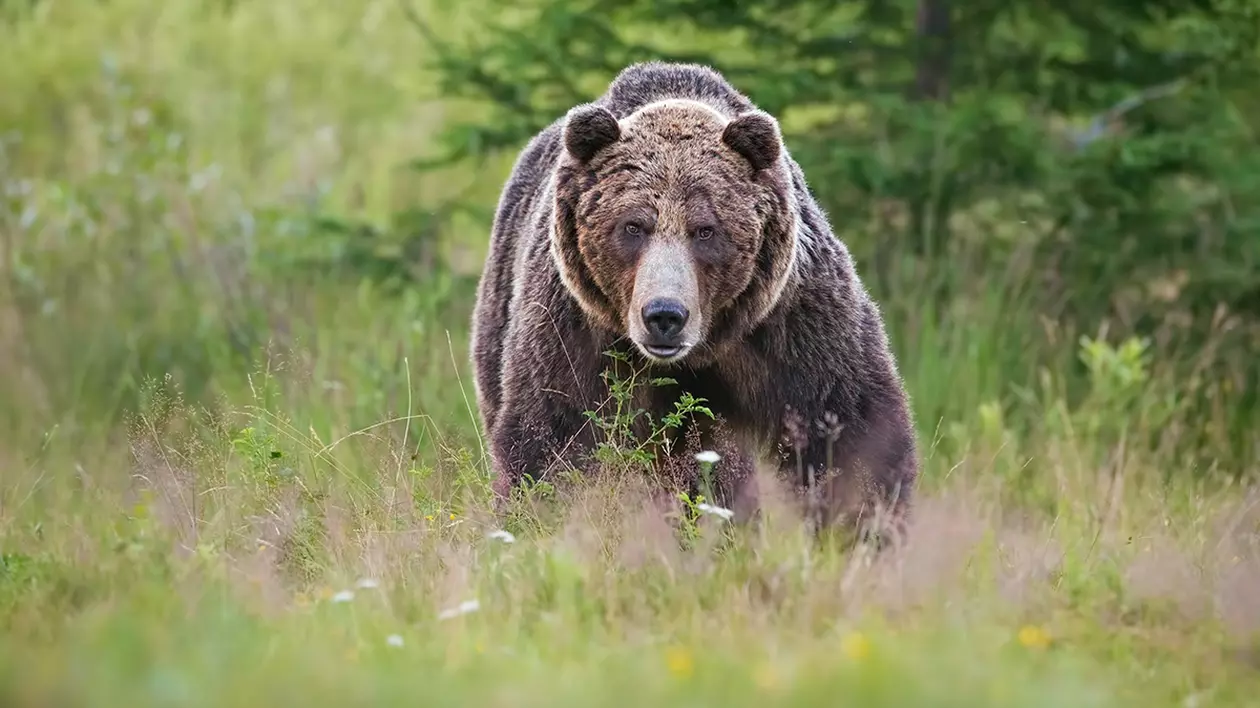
(205, 442)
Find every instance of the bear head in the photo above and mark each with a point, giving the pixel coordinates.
(675, 226)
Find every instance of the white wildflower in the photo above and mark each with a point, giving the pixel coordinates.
(726, 514)
(463, 609)
(394, 640)
(367, 584)
(343, 596)
(504, 536)
(708, 457)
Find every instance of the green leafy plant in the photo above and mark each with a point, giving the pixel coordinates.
(621, 444)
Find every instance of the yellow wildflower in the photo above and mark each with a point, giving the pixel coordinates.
(452, 516)
(856, 646)
(1034, 637)
(679, 661)
(429, 517)
(766, 677)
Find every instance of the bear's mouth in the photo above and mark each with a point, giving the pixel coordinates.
(663, 351)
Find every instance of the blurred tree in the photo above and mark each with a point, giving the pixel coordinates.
(927, 111)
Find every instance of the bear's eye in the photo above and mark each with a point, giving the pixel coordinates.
(633, 229)
(704, 233)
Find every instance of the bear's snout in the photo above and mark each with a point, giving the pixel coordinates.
(665, 313)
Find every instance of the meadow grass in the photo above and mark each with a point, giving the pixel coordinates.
(293, 504)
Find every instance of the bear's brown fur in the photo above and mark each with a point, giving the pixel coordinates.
(667, 220)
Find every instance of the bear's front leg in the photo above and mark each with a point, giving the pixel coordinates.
(549, 382)
(536, 436)
(857, 471)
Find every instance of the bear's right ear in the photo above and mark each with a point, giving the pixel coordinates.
(588, 129)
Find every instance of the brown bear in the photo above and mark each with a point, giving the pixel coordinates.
(666, 220)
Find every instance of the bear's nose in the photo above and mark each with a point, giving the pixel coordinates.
(665, 318)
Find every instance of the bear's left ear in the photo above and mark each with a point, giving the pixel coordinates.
(588, 129)
(755, 135)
